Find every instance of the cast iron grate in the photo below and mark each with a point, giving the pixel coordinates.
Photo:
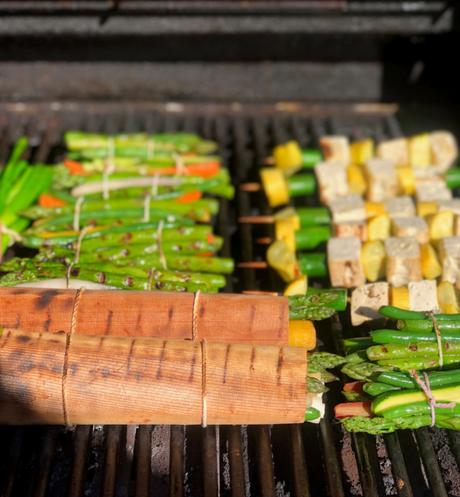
(232, 461)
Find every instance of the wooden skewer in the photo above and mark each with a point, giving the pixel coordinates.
(269, 161)
(264, 240)
(253, 265)
(256, 219)
(250, 187)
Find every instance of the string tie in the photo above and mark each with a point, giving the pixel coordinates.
(163, 261)
(425, 386)
(430, 314)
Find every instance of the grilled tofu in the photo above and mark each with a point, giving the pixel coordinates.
(432, 191)
(423, 295)
(395, 151)
(347, 208)
(449, 253)
(332, 181)
(336, 148)
(366, 301)
(382, 180)
(403, 263)
(358, 229)
(413, 226)
(401, 206)
(444, 149)
(344, 262)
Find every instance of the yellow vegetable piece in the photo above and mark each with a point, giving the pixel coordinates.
(373, 260)
(374, 209)
(426, 208)
(378, 228)
(361, 151)
(399, 297)
(283, 260)
(288, 213)
(280, 156)
(441, 225)
(288, 156)
(420, 150)
(297, 287)
(447, 298)
(302, 334)
(356, 180)
(406, 178)
(431, 268)
(275, 186)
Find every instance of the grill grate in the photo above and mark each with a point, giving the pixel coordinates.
(235, 461)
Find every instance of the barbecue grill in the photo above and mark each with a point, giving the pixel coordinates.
(249, 76)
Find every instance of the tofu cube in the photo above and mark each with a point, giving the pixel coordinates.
(432, 191)
(452, 205)
(332, 180)
(404, 263)
(344, 262)
(444, 149)
(336, 148)
(396, 151)
(347, 208)
(402, 206)
(449, 253)
(382, 180)
(423, 295)
(366, 301)
(357, 229)
(414, 226)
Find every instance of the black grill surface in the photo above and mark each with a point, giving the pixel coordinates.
(293, 460)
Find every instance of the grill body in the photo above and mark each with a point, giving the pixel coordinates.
(266, 71)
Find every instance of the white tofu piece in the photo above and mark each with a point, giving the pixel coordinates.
(425, 175)
(423, 295)
(348, 208)
(452, 205)
(344, 262)
(357, 229)
(366, 301)
(444, 149)
(382, 180)
(336, 148)
(332, 180)
(432, 191)
(396, 151)
(401, 206)
(403, 263)
(414, 226)
(449, 253)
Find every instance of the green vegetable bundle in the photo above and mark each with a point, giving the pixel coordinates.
(20, 185)
(405, 377)
(129, 211)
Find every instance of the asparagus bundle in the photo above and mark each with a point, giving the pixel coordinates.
(132, 222)
(406, 377)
